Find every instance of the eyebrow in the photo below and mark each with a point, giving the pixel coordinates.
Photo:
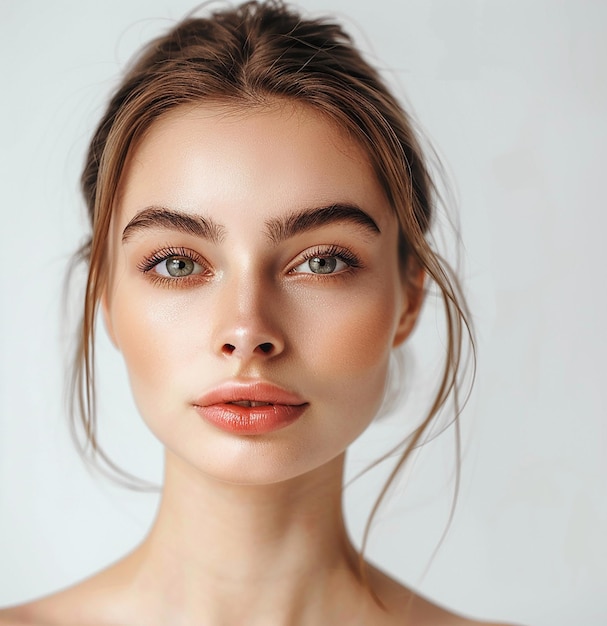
(188, 223)
(281, 228)
(277, 229)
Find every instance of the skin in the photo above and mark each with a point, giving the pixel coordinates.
(250, 528)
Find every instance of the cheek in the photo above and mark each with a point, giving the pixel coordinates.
(357, 338)
(156, 342)
(347, 349)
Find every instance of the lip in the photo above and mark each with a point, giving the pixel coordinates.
(281, 409)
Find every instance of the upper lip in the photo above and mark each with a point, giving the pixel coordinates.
(252, 391)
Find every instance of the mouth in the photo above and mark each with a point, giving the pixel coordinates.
(250, 394)
(250, 403)
(250, 407)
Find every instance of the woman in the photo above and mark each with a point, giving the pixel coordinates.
(259, 207)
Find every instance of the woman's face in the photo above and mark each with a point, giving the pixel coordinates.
(254, 289)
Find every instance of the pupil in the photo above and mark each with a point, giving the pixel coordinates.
(321, 265)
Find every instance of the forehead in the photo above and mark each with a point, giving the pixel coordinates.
(220, 159)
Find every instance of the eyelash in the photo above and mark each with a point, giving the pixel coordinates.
(347, 256)
(150, 262)
(159, 256)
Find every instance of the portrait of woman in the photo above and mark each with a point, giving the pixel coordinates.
(268, 334)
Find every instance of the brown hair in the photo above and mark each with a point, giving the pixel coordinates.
(247, 56)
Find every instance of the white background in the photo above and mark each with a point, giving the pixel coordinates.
(514, 95)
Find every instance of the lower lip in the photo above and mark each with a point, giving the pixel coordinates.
(257, 420)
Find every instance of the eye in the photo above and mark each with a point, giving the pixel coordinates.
(174, 266)
(177, 267)
(321, 265)
(327, 260)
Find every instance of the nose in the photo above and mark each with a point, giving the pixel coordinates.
(247, 326)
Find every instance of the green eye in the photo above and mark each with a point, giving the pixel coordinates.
(177, 267)
(322, 265)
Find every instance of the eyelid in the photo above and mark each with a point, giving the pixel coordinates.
(351, 260)
(151, 261)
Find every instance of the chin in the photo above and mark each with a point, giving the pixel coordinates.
(254, 460)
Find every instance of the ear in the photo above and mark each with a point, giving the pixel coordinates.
(107, 318)
(413, 298)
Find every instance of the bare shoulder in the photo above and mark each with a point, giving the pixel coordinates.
(29, 614)
(10, 617)
(83, 603)
(407, 607)
(61, 609)
(19, 616)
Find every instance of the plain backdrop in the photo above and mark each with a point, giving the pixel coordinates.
(513, 93)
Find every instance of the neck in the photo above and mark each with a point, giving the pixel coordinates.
(229, 552)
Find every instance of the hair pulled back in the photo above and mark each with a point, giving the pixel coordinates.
(250, 56)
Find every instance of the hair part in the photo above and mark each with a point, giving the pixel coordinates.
(251, 55)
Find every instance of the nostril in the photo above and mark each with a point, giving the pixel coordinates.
(229, 349)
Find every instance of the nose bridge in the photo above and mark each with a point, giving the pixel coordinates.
(245, 324)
